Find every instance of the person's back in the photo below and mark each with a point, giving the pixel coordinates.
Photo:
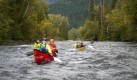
(77, 45)
(81, 45)
(52, 47)
(43, 47)
(37, 45)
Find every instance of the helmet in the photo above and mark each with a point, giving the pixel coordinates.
(37, 40)
(44, 39)
(51, 40)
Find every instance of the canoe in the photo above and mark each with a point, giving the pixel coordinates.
(40, 57)
(81, 48)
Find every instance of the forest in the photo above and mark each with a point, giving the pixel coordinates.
(102, 20)
(75, 10)
(28, 20)
(116, 21)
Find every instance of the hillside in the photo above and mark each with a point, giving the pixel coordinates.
(76, 10)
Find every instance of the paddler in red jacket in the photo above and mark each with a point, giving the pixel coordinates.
(53, 47)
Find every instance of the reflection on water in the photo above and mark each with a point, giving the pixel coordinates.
(108, 61)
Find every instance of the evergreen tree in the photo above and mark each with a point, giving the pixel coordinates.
(113, 4)
(91, 11)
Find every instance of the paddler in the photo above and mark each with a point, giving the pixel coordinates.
(81, 44)
(77, 45)
(52, 48)
(43, 46)
(37, 45)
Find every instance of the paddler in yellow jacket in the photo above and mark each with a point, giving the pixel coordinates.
(37, 45)
(77, 45)
(49, 49)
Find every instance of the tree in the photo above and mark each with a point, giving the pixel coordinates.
(122, 21)
(113, 4)
(5, 20)
(60, 23)
(23, 20)
(90, 30)
(74, 34)
(91, 11)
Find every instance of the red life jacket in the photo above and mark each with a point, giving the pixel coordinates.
(53, 49)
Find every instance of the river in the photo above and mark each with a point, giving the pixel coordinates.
(105, 61)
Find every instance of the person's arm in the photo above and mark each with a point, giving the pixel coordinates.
(34, 46)
(49, 49)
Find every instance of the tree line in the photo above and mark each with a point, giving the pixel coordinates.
(28, 20)
(115, 22)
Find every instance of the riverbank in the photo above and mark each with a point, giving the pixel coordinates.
(19, 42)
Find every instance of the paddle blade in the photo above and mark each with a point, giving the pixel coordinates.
(57, 59)
(91, 47)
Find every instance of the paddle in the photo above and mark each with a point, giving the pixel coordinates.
(57, 59)
(29, 53)
(91, 47)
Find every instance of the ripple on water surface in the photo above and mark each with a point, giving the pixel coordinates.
(108, 61)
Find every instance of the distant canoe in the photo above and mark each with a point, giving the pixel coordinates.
(81, 48)
(40, 57)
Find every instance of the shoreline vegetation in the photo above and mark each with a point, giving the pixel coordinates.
(12, 42)
(22, 21)
(19, 42)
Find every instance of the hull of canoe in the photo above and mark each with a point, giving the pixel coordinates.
(40, 57)
(81, 48)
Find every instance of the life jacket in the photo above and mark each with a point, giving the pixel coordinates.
(49, 49)
(76, 45)
(54, 49)
(36, 46)
(43, 48)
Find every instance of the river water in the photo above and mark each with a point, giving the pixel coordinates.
(107, 61)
